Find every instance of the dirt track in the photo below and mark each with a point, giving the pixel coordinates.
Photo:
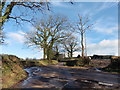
(61, 77)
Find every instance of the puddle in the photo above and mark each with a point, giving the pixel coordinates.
(31, 72)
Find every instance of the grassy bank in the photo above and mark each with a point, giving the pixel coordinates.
(12, 71)
(13, 68)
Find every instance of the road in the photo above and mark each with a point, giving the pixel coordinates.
(62, 77)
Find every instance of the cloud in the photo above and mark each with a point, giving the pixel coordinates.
(30, 28)
(103, 47)
(106, 5)
(75, 54)
(17, 36)
(58, 4)
(106, 30)
(21, 32)
(107, 25)
(97, 8)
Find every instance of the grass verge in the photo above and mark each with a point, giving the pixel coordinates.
(12, 72)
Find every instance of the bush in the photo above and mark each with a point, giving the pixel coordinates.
(77, 61)
(115, 63)
(80, 62)
(114, 66)
(86, 61)
(71, 63)
(83, 61)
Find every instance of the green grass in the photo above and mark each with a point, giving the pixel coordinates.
(12, 72)
(12, 68)
(47, 62)
(30, 63)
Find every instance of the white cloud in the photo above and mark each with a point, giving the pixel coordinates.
(107, 25)
(30, 28)
(95, 9)
(106, 30)
(59, 4)
(21, 32)
(75, 54)
(103, 47)
(18, 36)
(106, 5)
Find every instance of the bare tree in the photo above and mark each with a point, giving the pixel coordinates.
(48, 31)
(83, 25)
(71, 45)
(7, 9)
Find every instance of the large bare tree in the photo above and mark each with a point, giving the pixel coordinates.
(16, 10)
(8, 8)
(82, 26)
(48, 31)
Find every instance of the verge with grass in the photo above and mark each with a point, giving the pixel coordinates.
(13, 68)
(12, 72)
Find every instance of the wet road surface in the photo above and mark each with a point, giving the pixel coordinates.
(62, 78)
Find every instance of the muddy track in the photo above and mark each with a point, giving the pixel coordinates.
(62, 78)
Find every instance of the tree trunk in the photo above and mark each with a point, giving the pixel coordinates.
(82, 44)
(44, 52)
(71, 53)
(49, 52)
(68, 54)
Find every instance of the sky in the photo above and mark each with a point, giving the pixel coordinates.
(102, 39)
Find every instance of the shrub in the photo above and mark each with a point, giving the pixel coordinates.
(83, 61)
(71, 63)
(86, 61)
(114, 66)
(115, 63)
